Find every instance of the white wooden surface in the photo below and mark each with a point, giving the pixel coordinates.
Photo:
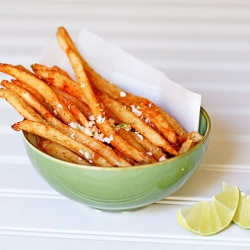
(203, 45)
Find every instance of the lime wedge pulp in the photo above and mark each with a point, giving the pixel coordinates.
(242, 215)
(208, 218)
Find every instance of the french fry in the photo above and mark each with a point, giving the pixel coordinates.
(75, 111)
(33, 139)
(192, 139)
(22, 68)
(41, 87)
(131, 161)
(186, 145)
(173, 123)
(151, 149)
(34, 92)
(130, 118)
(82, 106)
(126, 136)
(58, 151)
(118, 142)
(90, 120)
(105, 86)
(20, 105)
(95, 79)
(60, 81)
(97, 146)
(60, 71)
(102, 84)
(23, 95)
(48, 132)
(155, 116)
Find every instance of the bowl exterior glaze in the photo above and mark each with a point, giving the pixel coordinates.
(119, 189)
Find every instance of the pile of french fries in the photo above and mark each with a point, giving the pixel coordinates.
(90, 121)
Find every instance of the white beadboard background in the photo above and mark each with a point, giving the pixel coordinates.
(203, 45)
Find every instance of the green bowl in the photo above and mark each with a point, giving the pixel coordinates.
(120, 189)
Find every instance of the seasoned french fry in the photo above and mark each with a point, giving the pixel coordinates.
(129, 117)
(65, 40)
(97, 146)
(102, 84)
(33, 139)
(127, 137)
(52, 134)
(34, 92)
(90, 120)
(155, 116)
(186, 145)
(195, 136)
(173, 123)
(75, 111)
(118, 142)
(97, 80)
(20, 105)
(60, 71)
(41, 87)
(105, 86)
(82, 106)
(192, 138)
(58, 151)
(151, 149)
(25, 96)
(60, 81)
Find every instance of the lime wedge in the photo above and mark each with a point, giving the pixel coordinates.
(242, 215)
(208, 218)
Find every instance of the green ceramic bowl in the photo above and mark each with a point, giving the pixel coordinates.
(119, 189)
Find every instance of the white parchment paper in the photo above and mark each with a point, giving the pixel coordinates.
(131, 75)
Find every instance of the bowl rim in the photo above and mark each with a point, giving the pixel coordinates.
(155, 164)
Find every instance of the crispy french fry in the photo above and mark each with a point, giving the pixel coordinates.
(192, 139)
(60, 81)
(58, 151)
(173, 123)
(25, 96)
(112, 90)
(131, 161)
(34, 92)
(126, 136)
(82, 106)
(64, 83)
(20, 105)
(97, 146)
(90, 121)
(154, 115)
(33, 139)
(48, 132)
(186, 145)
(60, 71)
(151, 149)
(75, 111)
(129, 117)
(118, 142)
(41, 87)
(22, 68)
(196, 136)
(95, 79)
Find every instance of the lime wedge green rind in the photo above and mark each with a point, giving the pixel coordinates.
(242, 215)
(208, 218)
